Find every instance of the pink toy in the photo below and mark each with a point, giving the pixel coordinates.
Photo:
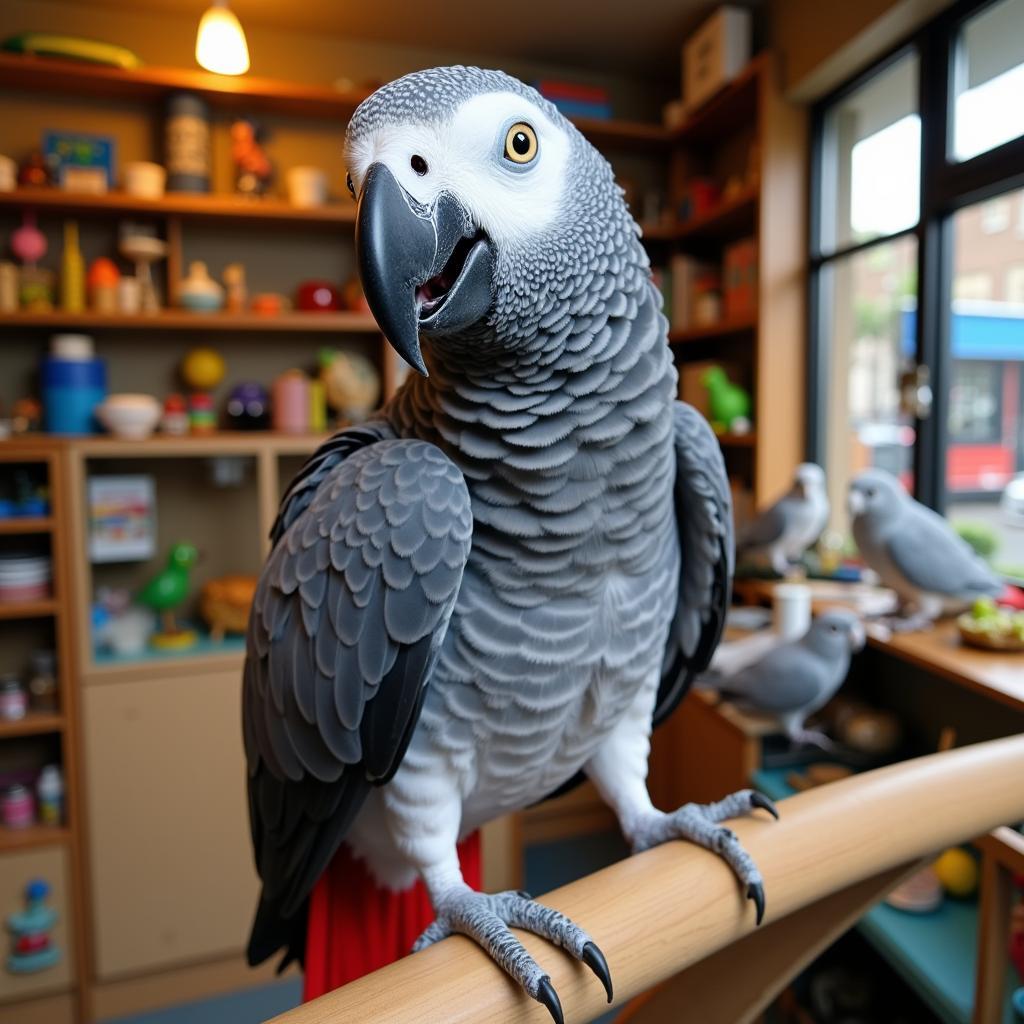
(28, 243)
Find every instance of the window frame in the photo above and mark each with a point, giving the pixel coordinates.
(946, 186)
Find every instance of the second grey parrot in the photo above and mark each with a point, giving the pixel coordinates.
(513, 572)
(782, 533)
(914, 550)
(797, 678)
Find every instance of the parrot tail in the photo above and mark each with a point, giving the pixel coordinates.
(355, 926)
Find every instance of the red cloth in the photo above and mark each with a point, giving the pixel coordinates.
(355, 927)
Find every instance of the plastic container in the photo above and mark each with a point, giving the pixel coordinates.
(13, 699)
(72, 389)
(144, 179)
(17, 808)
(187, 144)
(290, 404)
(50, 794)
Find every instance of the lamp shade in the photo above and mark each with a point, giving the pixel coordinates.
(220, 42)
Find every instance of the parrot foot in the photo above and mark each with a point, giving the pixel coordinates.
(485, 918)
(811, 738)
(699, 823)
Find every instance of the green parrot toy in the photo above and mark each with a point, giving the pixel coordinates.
(729, 403)
(168, 589)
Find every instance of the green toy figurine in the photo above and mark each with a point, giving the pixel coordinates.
(729, 404)
(166, 591)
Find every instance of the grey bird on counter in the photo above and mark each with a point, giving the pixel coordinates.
(915, 551)
(782, 533)
(797, 678)
(515, 570)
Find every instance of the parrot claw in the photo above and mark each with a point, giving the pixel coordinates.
(486, 917)
(547, 995)
(700, 824)
(594, 959)
(755, 892)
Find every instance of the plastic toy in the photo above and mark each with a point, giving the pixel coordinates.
(50, 795)
(224, 604)
(18, 809)
(29, 245)
(248, 407)
(317, 297)
(13, 698)
(199, 292)
(269, 304)
(53, 44)
(175, 418)
(72, 271)
(957, 870)
(253, 169)
(26, 416)
(235, 288)
(101, 284)
(167, 591)
(202, 415)
(351, 384)
(290, 402)
(35, 172)
(32, 947)
(143, 248)
(203, 368)
(729, 404)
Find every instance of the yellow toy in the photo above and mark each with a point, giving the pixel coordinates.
(958, 872)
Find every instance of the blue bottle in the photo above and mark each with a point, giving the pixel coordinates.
(71, 389)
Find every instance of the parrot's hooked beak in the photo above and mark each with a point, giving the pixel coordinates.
(855, 503)
(422, 268)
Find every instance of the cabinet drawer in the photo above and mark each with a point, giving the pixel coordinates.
(172, 872)
(16, 869)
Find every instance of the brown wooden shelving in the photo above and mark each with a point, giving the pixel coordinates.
(185, 205)
(17, 526)
(183, 320)
(733, 107)
(730, 440)
(35, 723)
(29, 609)
(35, 835)
(732, 218)
(723, 329)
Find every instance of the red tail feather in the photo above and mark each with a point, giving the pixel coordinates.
(355, 926)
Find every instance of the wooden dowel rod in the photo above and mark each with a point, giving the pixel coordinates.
(659, 912)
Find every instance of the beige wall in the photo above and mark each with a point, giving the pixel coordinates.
(823, 44)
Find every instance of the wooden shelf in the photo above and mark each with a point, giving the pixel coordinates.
(193, 206)
(223, 442)
(647, 135)
(35, 835)
(15, 526)
(720, 330)
(183, 320)
(729, 440)
(35, 723)
(733, 218)
(729, 110)
(29, 609)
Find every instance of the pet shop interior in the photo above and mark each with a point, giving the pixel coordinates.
(212, 261)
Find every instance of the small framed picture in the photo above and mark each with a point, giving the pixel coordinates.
(122, 518)
(82, 163)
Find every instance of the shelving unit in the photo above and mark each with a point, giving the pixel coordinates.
(182, 321)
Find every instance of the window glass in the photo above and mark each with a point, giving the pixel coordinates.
(871, 159)
(988, 83)
(869, 303)
(985, 448)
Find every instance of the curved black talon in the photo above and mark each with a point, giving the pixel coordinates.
(594, 959)
(755, 892)
(549, 997)
(760, 800)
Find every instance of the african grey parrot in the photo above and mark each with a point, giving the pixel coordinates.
(799, 677)
(782, 533)
(914, 550)
(515, 569)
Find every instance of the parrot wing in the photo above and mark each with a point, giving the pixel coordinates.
(765, 529)
(786, 679)
(707, 550)
(346, 626)
(933, 557)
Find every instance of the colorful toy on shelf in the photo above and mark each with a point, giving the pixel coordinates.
(72, 271)
(17, 808)
(317, 297)
(13, 698)
(248, 407)
(175, 418)
(235, 289)
(187, 144)
(32, 946)
(81, 163)
(202, 414)
(101, 283)
(26, 416)
(269, 304)
(203, 368)
(729, 404)
(224, 604)
(92, 51)
(958, 872)
(50, 796)
(165, 592)
(42, 684)
(139, 244)
(253, 169)
(28, 244)
(34, 172)
(351, 383)
(73, 381)
(290, 402)
(199, 292)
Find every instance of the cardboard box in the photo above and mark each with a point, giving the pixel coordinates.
(715, 54)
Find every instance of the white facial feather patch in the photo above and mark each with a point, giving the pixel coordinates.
(465, 156)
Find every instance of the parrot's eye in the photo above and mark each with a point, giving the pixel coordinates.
(351, 187)
(870, 492)
(418, 164)
(520, 143)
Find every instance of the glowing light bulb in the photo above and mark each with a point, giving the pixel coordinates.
(220, 42)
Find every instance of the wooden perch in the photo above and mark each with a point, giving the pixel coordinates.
(657, 913)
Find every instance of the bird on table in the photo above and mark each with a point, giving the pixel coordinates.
(782, 533)
(915, 552)
(502, 581)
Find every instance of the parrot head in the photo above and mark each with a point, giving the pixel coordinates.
(810, 480)
(835, 631)
(483, 214)
(875, 495)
